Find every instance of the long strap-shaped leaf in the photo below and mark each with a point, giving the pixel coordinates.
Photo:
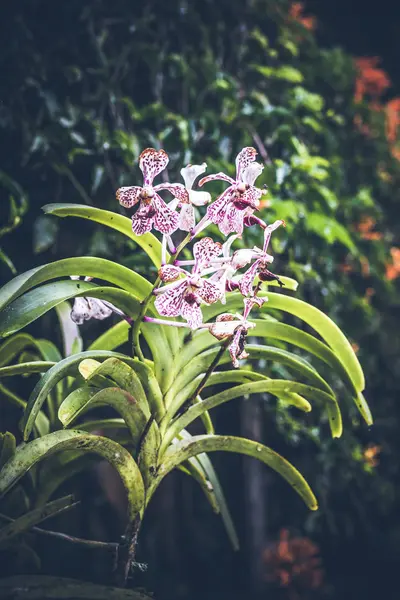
(37, 302)
(125, 377)
(83, 265)
(180, 452)
(216, 378)
(27, 455)
(316, 319)
(53, 376)
(26, 368)
(214, 486)
(199, 365)
(13, 346)
(83, 399)
(148, 242)
(301, 339)
(272, 386)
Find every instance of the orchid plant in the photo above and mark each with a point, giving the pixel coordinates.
(207, 308)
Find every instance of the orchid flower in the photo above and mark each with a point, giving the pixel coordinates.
(259, 267)
(90, 308)
(187, 218)
(237, 327)
(239, 200)
(153, 211)
(188, 291)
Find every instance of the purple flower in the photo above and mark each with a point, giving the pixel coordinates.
(237, 327)
(153, 211)
(260, 266)
(240, 199)
(188, 291)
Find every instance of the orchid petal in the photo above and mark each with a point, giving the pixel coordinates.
(169, 273)
(226, 247)
(216, 177)
(224, 326)
(252, 197)
(204, 251)
(98, 310)
(234, 349)
(176, 189)
(249, 303)
(216, 210)
(170, 303)
(190, 174)
(142, 220)
(80, 311)
(268, 231)
(128, 196)
(187, 218)
(251, 172)
(243, 159)
(243, 257)
(192, 313)
(210, 292)
(199, 198)
(151, 163)
(232, 221)
(165, 220)
(246, 281)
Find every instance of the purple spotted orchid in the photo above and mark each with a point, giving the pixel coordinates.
(153, 211)
(236, 205)
(185, 292)
(260, 265)
(236, 327)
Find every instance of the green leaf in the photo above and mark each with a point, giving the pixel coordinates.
(68, 366)
(12, 347)
(82, 265)
(72, 341)
(32, 305)
(148, 242)
(301, 339)
(27, 455)
(219, 496)
(83, 399)
(42, 425)
(316, 319)
(272, 386)
(36, 366)
(7, 447)
(126, 378)
(34, 517)
(185, 449)
(45, 231)
(285, 72)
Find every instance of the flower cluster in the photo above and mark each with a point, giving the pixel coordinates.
(184, 286)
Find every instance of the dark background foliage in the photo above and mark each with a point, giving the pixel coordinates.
(87, 86)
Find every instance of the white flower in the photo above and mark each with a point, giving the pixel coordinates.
(187, 217)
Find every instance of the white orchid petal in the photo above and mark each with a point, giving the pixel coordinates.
(199, 198)
(251, 172)
(190, 174)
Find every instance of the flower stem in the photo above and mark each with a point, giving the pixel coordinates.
(207, 374)
(137, 351)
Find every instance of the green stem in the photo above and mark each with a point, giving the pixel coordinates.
(137, 351)
(207, 374)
